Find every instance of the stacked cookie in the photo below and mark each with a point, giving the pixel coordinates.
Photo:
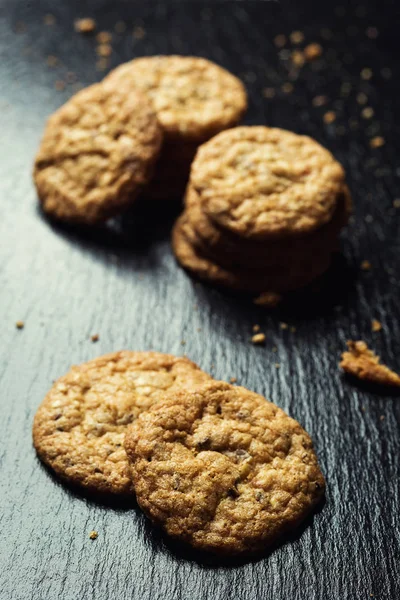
(215, 465)
(263, 210)
(193, 98)
(136, 132)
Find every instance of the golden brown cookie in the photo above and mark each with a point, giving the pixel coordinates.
(261, 182)
(230, 250)
(79, 428)
(223, 469)
(362, 363)
(97, 153)
(193, 97)
(276, 279)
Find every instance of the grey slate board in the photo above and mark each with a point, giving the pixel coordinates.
(125, 285)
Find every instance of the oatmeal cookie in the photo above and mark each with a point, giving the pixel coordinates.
(97, 153)
(80, 426)
(223, 469)
(261, 182)
(188, 251)
(193, 97)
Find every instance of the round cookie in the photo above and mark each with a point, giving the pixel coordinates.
(193, 97)
(79, 428)
(97, 153)
(274, 280)
(223, 469)
(261, 182)
(229, 249)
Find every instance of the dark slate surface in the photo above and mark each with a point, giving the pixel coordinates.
(124, 284)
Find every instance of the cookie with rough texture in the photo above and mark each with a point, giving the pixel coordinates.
(193, 97)
(97, 153)
(229, 249)
(362, 363)
(223, 469)
(79, 428)
(278, 279)
(261, 182)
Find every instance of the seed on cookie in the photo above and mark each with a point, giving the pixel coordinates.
(96, 155)
(80, 426)
(223, 469)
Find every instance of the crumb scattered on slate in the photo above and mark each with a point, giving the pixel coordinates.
(365, 265)
(183, 342)
(319, 100)
(297, 57)
(95, 337)
(233, 380)
(297, 37)
(59, 85)
(139, 33)
(283, 325)
(104, 50)
(287, 87)
(293, 330)
(258, 338)
(396, 203)
(104, 37)
(93, 535)
(280, 41)
(49, 20)
(120, 27)
(312, 51)
(329, 117)
(376, 325)
(277, 366)
(366, 74)
(85, 25)
(19, 324)
(256, 328)
(268, 92)
(367, 112)
(377, 142)
(268, 299)
(362, 98)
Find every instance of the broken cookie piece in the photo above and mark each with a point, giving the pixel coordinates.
(364, 364)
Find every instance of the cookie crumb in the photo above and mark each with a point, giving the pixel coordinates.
(52, 61)
(183, 342)
(366, 74)
(280, 40)
(59, 85)
(95, 337)
(297, 37)
(233, 380)
(377, 142)
(93, 535)
(293, 330)
(283, 325)
(256, 328)
(19, 324)
(268, 299)
(382, 418)
(367, 112)
(258, 338)
(365, 265)
(104, 50)
(313, 51)
(396, 203)
(297, 57)
(376, 325)
(364, 364)
(287, 88)
(139, 33)
(277, 365)
(319, 100)
(362, 98)
(49, 20)
(104, 37)
(268, 92)
(329, 117)
(85, 25)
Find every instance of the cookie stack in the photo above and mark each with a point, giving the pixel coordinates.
(263, 210)
(135, 133)
(215, 465)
